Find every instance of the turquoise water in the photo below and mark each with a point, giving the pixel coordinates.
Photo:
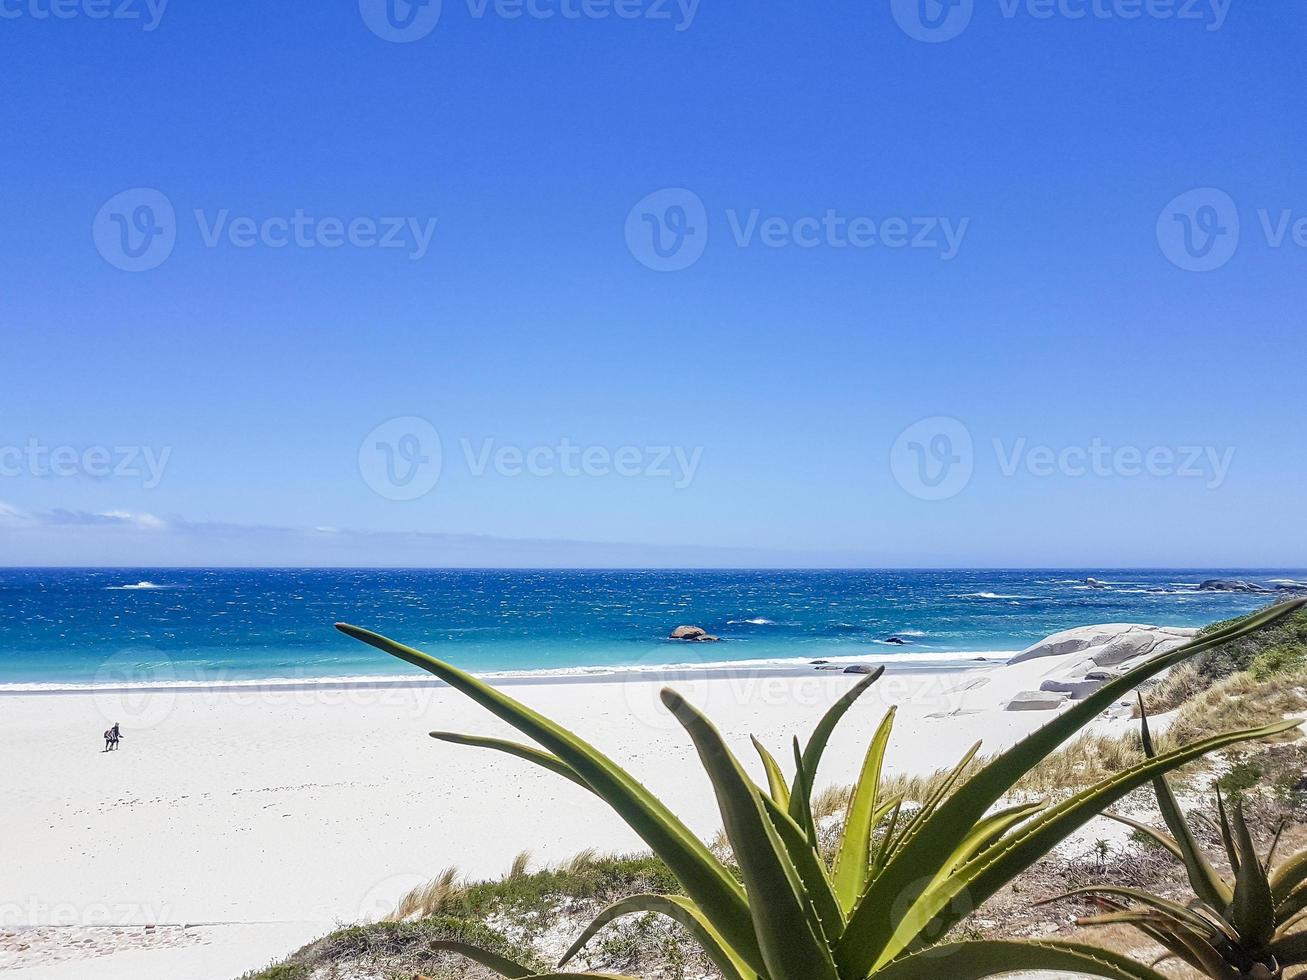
(71, 627)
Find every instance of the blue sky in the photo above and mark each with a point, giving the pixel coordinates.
(1020, 281)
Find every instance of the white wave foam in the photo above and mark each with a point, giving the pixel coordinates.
(756, 621)
(963, 658)
(993, 595)
(136, 587)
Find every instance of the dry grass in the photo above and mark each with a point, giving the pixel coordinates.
(521, 865)
(430, 899)
(1239, 701)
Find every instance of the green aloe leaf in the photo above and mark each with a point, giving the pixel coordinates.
(1227, 835)
(533, 755)
(853, 857)
(780, 790)
(680, 910)
(785, 921)
(812, 870)
(870, 928)
(703, 877)
(1143, 828)
(918, 819)
(500, 964)
(1289, 876)
(986, 958)
(1207, 884)
(1163, 906)
(816, 746)
(1291, 950)
(1253, 908)
(803, 802)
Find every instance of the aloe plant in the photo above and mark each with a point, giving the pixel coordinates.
(1251, 926)
(898, 881)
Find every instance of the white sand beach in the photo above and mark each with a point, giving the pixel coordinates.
(260, 819)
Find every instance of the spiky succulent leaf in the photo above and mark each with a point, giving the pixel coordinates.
(985, 958)
(786, 924)
(703, 877)
(853, 857)
(1253, 908)
(1207, 884)
(816, 747)
(680, 910)
(812, 870)
(780, 790)
(491, 960)
(533, 755)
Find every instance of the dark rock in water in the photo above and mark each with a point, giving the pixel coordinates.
(1232, 585)
(818, 663)
(1093, 583)
(859, 669)
(896, 640)
(692, 634)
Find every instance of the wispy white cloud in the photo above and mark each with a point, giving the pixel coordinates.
(123, 537)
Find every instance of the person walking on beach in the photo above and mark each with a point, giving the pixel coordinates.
(111, 738)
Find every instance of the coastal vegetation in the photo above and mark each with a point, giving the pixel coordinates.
(881, 879)
(1245, 925)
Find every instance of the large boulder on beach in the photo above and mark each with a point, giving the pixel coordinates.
(1115, 643)
(692, 634)
(1036, 701)
(859, 669)
(1232, 585)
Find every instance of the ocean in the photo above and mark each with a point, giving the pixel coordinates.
(73, 628)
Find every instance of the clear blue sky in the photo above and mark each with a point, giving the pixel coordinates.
(531, 319)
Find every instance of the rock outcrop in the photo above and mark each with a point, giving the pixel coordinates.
(1091, 656)
(1126, 640)
(1232, 585)
(692, 634)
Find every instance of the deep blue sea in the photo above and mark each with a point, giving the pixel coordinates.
(74, 627)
